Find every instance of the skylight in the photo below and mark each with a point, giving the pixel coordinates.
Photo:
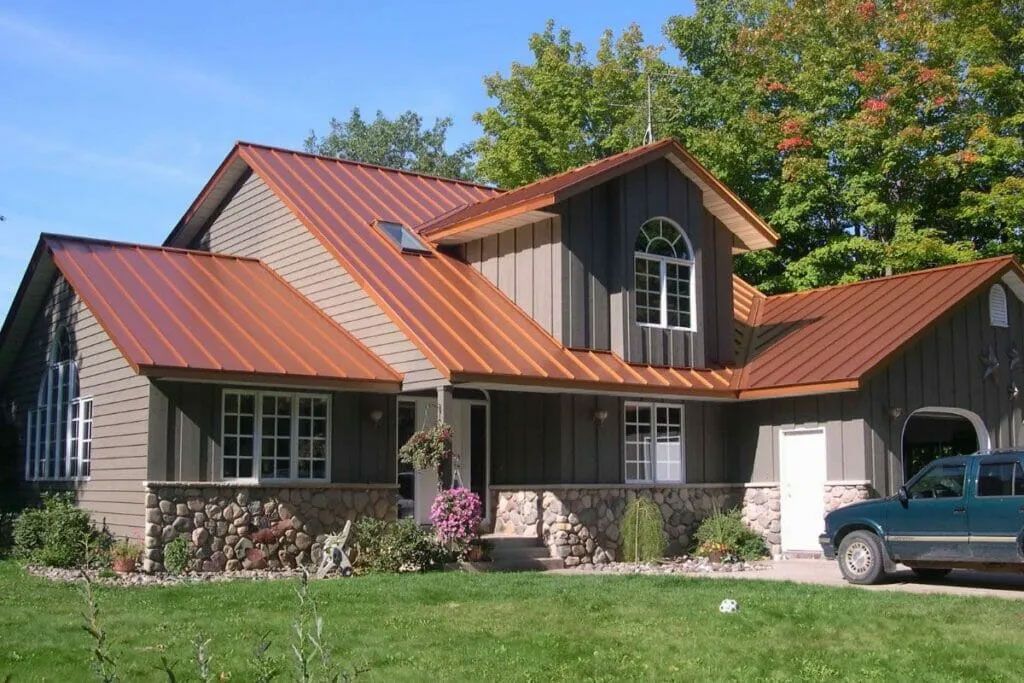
(402, 237)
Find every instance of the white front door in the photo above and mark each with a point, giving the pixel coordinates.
(802, 484)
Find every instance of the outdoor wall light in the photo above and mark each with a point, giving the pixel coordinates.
(895, 413)
(376, 416)
(600, 416)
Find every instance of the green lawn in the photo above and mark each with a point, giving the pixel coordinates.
(454, 626)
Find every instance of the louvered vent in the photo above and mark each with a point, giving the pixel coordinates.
(997, 306)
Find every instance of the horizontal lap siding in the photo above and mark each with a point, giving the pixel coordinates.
(114, 493)
(257, 224)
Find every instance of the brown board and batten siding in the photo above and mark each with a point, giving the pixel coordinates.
(185, 429)
(554, 439)
(944, 368)
(525, 263)
(255, 223)
(113, 494)
(755, 427)
(599, 228)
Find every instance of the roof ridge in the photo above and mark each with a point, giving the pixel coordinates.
(886, 278)
(366, 164)
(136, 245)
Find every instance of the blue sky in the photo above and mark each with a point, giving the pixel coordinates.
(113, 115)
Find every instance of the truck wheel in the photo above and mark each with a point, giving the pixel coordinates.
(930, 573)
(861, 558)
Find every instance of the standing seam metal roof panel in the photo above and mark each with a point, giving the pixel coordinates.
(183, 310)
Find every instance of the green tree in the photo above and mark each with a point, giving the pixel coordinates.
(402, 142)
(563, 111)
(874, 136)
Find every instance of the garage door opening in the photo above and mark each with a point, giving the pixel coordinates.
(933, 433)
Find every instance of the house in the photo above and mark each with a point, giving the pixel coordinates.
(584, 335)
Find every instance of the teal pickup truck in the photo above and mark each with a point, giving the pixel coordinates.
(964, 512)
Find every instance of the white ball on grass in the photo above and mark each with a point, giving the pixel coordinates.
(728, 606)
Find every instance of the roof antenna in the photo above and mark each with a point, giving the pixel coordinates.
(649, 133)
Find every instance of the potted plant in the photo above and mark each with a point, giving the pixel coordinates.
(456, 515)
(429, 449)
(125, 556)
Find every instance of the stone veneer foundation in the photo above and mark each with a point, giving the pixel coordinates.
(580, 524)
(231, 526)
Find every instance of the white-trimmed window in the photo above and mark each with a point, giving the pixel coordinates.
(269, 435)
(654, 444)
(58, 434)
(663, 276)
(997, 306)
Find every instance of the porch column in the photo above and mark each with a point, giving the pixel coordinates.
(445, 414)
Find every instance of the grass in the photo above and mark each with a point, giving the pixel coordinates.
(454, 626)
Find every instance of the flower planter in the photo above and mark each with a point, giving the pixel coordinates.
(123, 565)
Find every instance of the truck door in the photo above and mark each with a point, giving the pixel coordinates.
(997, 510)
(932, 525)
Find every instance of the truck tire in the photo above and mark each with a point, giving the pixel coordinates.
(861, 558)
(930, 573)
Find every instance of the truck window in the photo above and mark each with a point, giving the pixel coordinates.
(940, 481)
(997, 479)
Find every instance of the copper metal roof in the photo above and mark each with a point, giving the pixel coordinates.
(831, 337)
(468, 328)
(751, 230)
(175, 312)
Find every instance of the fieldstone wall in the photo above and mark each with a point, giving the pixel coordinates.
(841, 494)
(234, 526)
(581, 525)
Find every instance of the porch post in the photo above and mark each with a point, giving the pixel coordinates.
(445, 414)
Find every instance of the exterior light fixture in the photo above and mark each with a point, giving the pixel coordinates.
(895, 413)
(376, 416)
(600, 416)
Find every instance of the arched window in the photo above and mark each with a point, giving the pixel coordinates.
(997, 306)
(58, 443)
(663, 265)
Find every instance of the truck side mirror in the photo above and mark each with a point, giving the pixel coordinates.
(902, 495)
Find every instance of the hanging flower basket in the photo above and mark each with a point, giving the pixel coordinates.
(428, 449)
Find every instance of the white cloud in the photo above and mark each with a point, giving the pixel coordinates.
(25, 39)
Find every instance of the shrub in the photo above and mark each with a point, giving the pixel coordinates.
(176, 555)
(456, 515)
(58, 534)
(396, 546)
(724, 533)
(6, 532)
(643, 534)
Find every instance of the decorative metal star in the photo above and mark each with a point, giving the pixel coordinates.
(1015, 358)
(991, 363)
(1014, 390)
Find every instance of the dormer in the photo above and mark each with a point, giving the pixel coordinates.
(630, 254)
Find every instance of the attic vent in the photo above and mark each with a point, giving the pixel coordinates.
(997, 306)
(402, 237)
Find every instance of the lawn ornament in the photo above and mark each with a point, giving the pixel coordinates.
(729, 606)
(334, 556)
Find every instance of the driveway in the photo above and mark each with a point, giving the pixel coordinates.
(825, 573)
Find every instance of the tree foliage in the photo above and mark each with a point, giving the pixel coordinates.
(875, 136)
(402, 142)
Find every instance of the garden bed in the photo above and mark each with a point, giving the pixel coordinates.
(685, 564)
(106, 578)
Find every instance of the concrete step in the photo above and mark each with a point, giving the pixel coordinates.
(527, 564)
(509, 541)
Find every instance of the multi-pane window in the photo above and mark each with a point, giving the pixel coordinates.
(654, 443)
(271, 435)
(312, 455)
(663, 272)
(58, 435)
